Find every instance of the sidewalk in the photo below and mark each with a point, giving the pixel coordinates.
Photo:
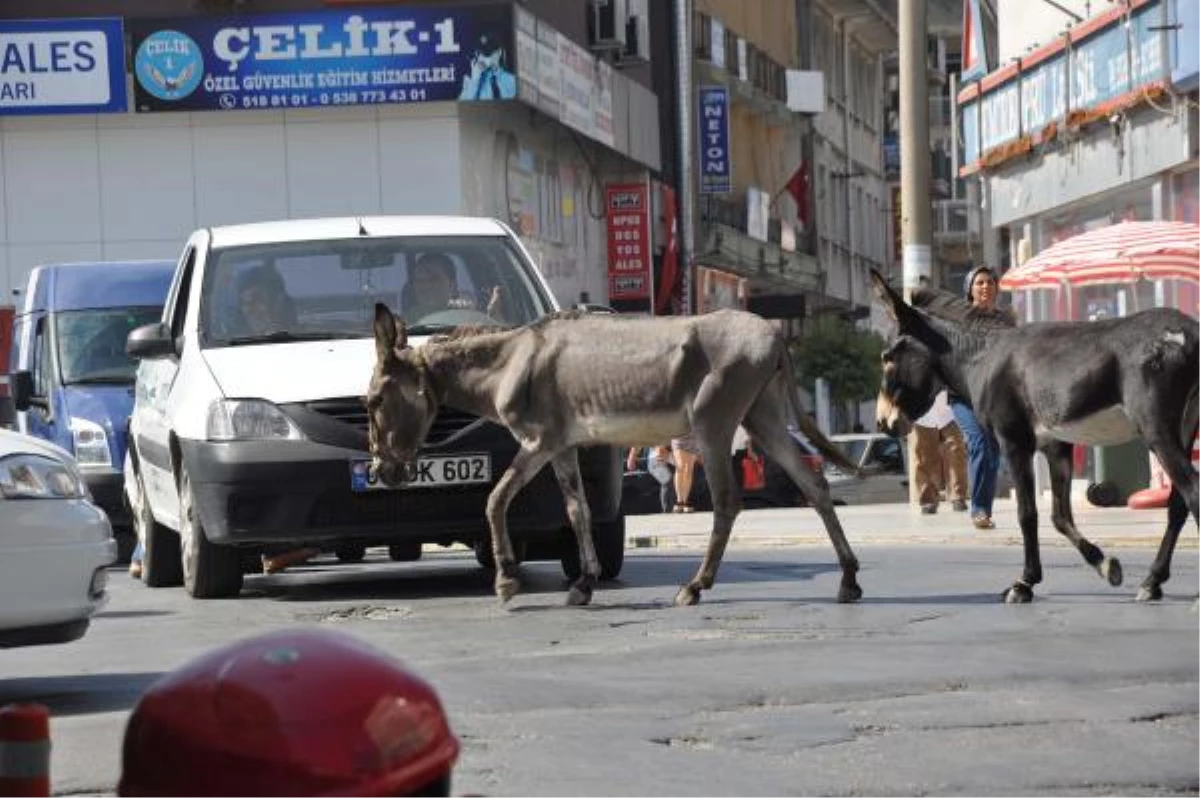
(892, 524)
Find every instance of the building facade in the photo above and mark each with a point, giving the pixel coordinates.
(1091, 122)
(244, 110)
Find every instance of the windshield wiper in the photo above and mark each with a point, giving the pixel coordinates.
(287, 337)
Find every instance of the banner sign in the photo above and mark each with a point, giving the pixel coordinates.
(62, 66)
(1104, 66)
(328, 57)
(716, 170)
(627, 219)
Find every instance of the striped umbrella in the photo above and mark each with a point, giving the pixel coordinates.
(1119, 253)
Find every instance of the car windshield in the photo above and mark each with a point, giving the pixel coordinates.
(853, 448)
(91, 343)
(321, 290)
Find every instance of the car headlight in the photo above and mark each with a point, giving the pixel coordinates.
(91, 444)
(249, 420)
(31, 476)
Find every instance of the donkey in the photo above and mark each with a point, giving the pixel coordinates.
(573, 379)
(1042, 387)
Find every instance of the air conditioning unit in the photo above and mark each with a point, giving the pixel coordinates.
(606, 24)
(637, 40)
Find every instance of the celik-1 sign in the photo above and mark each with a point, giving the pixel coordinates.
(300, 59)
(62, 66)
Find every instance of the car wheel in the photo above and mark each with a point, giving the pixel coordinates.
(350, 552)
(209, 571)
(405, 552)
(161, 565)
(609, 538)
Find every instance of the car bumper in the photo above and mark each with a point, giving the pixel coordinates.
(53, 556)
(262, 492)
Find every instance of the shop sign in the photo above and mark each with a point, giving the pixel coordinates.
(627, 219)
(1000, 115)
(577, 67)
(62, 66)
(328, 57)
(1044, 94)
(1113, 61)
(716, 170)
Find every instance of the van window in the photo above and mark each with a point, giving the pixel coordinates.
(328, 289)
(91, 343)
(177, 302)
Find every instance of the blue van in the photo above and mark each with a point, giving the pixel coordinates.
(71, 382)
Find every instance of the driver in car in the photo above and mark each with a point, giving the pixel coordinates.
(263, 302)
(434, 288)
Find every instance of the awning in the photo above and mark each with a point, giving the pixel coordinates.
(1120, 253)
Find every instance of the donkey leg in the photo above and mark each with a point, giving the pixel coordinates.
(718, 468)
(523, 468)
(1160, 569)
(1175, 460)
(1021, 463)
(566, 470)
(772, 435)
(1058, 455)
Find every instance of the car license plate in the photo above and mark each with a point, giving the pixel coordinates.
(430, 472)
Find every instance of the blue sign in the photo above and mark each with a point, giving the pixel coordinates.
(1185, 56)
(1115, 61)
(716, 167)
(62, 66)
(1044, 94)
(968, 116)
(303, 59)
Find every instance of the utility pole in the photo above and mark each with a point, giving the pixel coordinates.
(685, 97)
(914, 167)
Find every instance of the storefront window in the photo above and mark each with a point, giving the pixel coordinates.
(1184, 205)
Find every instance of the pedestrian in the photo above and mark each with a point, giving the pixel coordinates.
(658, 465)
(941, 458)
(983, 450)
(685, 453)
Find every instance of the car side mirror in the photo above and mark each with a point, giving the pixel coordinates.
(150, 341)
(22, 391)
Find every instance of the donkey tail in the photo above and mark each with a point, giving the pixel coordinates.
(828, 449)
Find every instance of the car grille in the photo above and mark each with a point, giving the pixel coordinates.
(351, 411)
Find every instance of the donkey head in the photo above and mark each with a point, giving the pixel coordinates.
(401, 404)
(910, 381)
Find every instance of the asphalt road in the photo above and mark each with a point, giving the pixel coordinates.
(768, 687)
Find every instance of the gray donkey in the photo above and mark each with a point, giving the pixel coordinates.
(571, 380)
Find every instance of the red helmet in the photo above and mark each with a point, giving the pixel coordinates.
(307, 712)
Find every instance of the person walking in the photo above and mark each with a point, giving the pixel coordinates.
(685, 453)
(941, 458)
(983, 450)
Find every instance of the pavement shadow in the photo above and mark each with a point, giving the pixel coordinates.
(79, 695)
(462, 577)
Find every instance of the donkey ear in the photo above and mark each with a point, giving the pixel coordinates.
(891, 302)
(386, 330)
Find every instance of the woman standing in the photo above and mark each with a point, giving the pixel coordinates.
(686, 454)
(983, 450)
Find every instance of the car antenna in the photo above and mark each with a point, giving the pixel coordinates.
(362, 231)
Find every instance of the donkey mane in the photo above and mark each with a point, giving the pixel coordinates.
(973, 318)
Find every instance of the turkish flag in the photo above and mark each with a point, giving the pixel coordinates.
(797, 186)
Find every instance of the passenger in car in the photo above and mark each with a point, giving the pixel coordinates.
(432, 287)
(263, 302)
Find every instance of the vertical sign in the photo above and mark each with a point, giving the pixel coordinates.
(716, 170)
(627, 218)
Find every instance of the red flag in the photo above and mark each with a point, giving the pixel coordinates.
(797, 186)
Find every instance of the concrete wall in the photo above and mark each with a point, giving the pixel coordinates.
(769, 24)
(134, 185)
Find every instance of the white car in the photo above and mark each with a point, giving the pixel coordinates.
(249, 431)
(882, 457)
(55, 545)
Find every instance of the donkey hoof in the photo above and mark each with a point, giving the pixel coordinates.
(506, 588)
(1110, 569)
(688, 596)
(1150, 593)
(579, 595)
(1019, 593)
(848, 594)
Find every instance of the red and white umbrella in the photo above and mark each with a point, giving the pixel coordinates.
(1119, 253)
